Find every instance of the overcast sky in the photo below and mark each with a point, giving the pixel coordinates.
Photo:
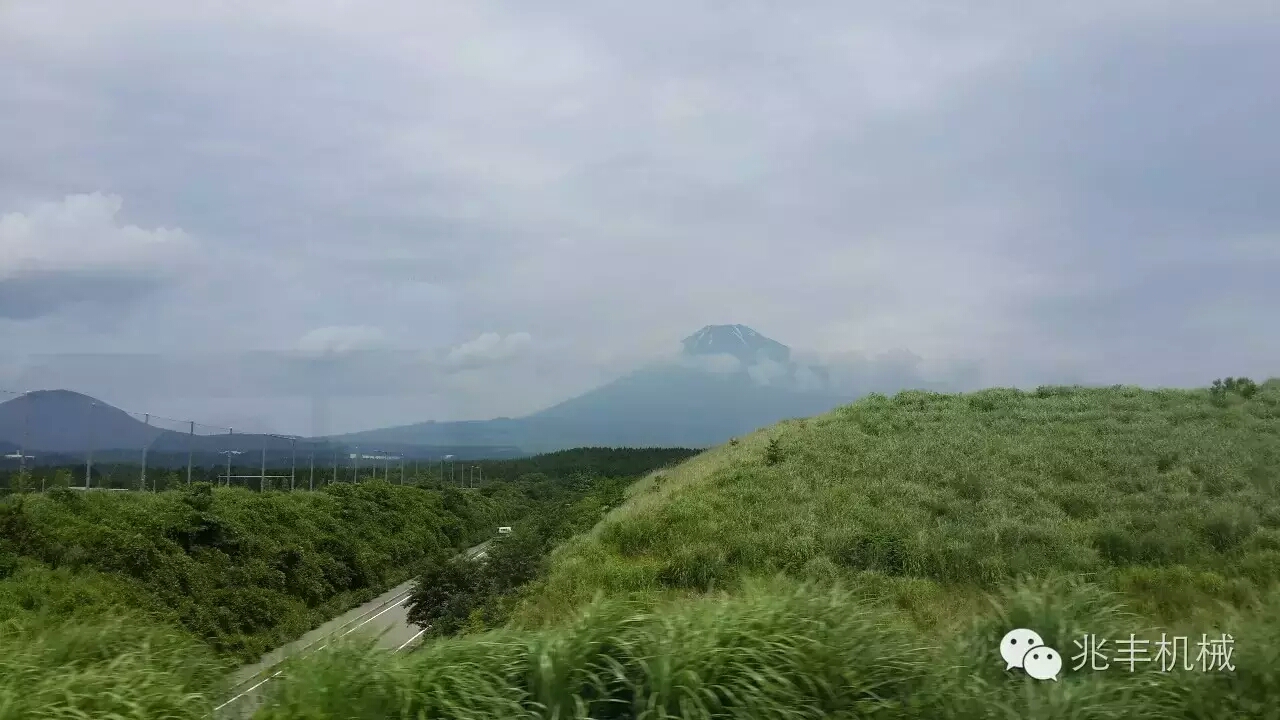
(473, 208)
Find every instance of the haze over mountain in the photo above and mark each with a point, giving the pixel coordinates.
(431, 213)
(726, 381)
(61, 426)
(738, 341)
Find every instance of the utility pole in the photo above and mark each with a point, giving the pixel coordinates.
(22, 458)
(229, 453)
(311, 481)
(335, 467)
(355, 472)
(262, 477)
(146, 421)
(293, 461)
(88, 460)
(26, 433)
(191, 441)
(230, 431)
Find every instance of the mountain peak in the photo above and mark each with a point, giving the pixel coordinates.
(739, 341)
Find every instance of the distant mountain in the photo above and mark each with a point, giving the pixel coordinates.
(62, 421)
(695, 401)
(740, 341)
(728, 380)
(60, 426)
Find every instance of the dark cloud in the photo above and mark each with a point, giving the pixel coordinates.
(1016, 194)
(38, 294)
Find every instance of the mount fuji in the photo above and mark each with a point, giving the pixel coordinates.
(727, 380)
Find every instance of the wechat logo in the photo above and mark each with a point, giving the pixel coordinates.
(1023, 648)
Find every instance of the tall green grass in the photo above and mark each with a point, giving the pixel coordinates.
(778, 651)
(867, 567)
(771, 650)
(1170, 498)
(124, 668)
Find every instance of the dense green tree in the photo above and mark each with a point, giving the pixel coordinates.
(246, 571)
(448, 590)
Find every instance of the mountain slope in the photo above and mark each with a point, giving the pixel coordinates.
(966, 493)
(696, 400)
(739, 341)
(62, 421)
(871, 569)
(685, 403)
(677, 405)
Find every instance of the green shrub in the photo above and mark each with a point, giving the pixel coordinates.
(773, 452)
(275, 563)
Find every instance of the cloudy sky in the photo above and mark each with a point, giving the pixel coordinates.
(221, 209)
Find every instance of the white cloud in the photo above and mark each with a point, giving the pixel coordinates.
(766, 371)
(81, 235)
(716, 363)
(489, 348)
(341, 339)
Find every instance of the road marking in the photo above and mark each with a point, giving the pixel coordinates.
(401, 596)
(476, 552)
(246, 692)
(364, 615)
(415, 637)
(388, 606)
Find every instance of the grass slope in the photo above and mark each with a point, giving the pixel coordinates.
(1171, 498)
(866, 564)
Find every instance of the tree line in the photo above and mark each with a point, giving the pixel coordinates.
(246, 571)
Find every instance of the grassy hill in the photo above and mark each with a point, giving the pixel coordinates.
(866, 563)
(1169, 497)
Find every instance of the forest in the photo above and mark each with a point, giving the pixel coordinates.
(244, 570)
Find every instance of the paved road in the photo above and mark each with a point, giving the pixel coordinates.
(386, 617)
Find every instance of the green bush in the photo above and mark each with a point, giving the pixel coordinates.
(449, 589)
(244, 571)
(773, 651)
(773, 452)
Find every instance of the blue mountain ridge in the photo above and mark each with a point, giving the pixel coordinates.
(679, 404)
(727, 381)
